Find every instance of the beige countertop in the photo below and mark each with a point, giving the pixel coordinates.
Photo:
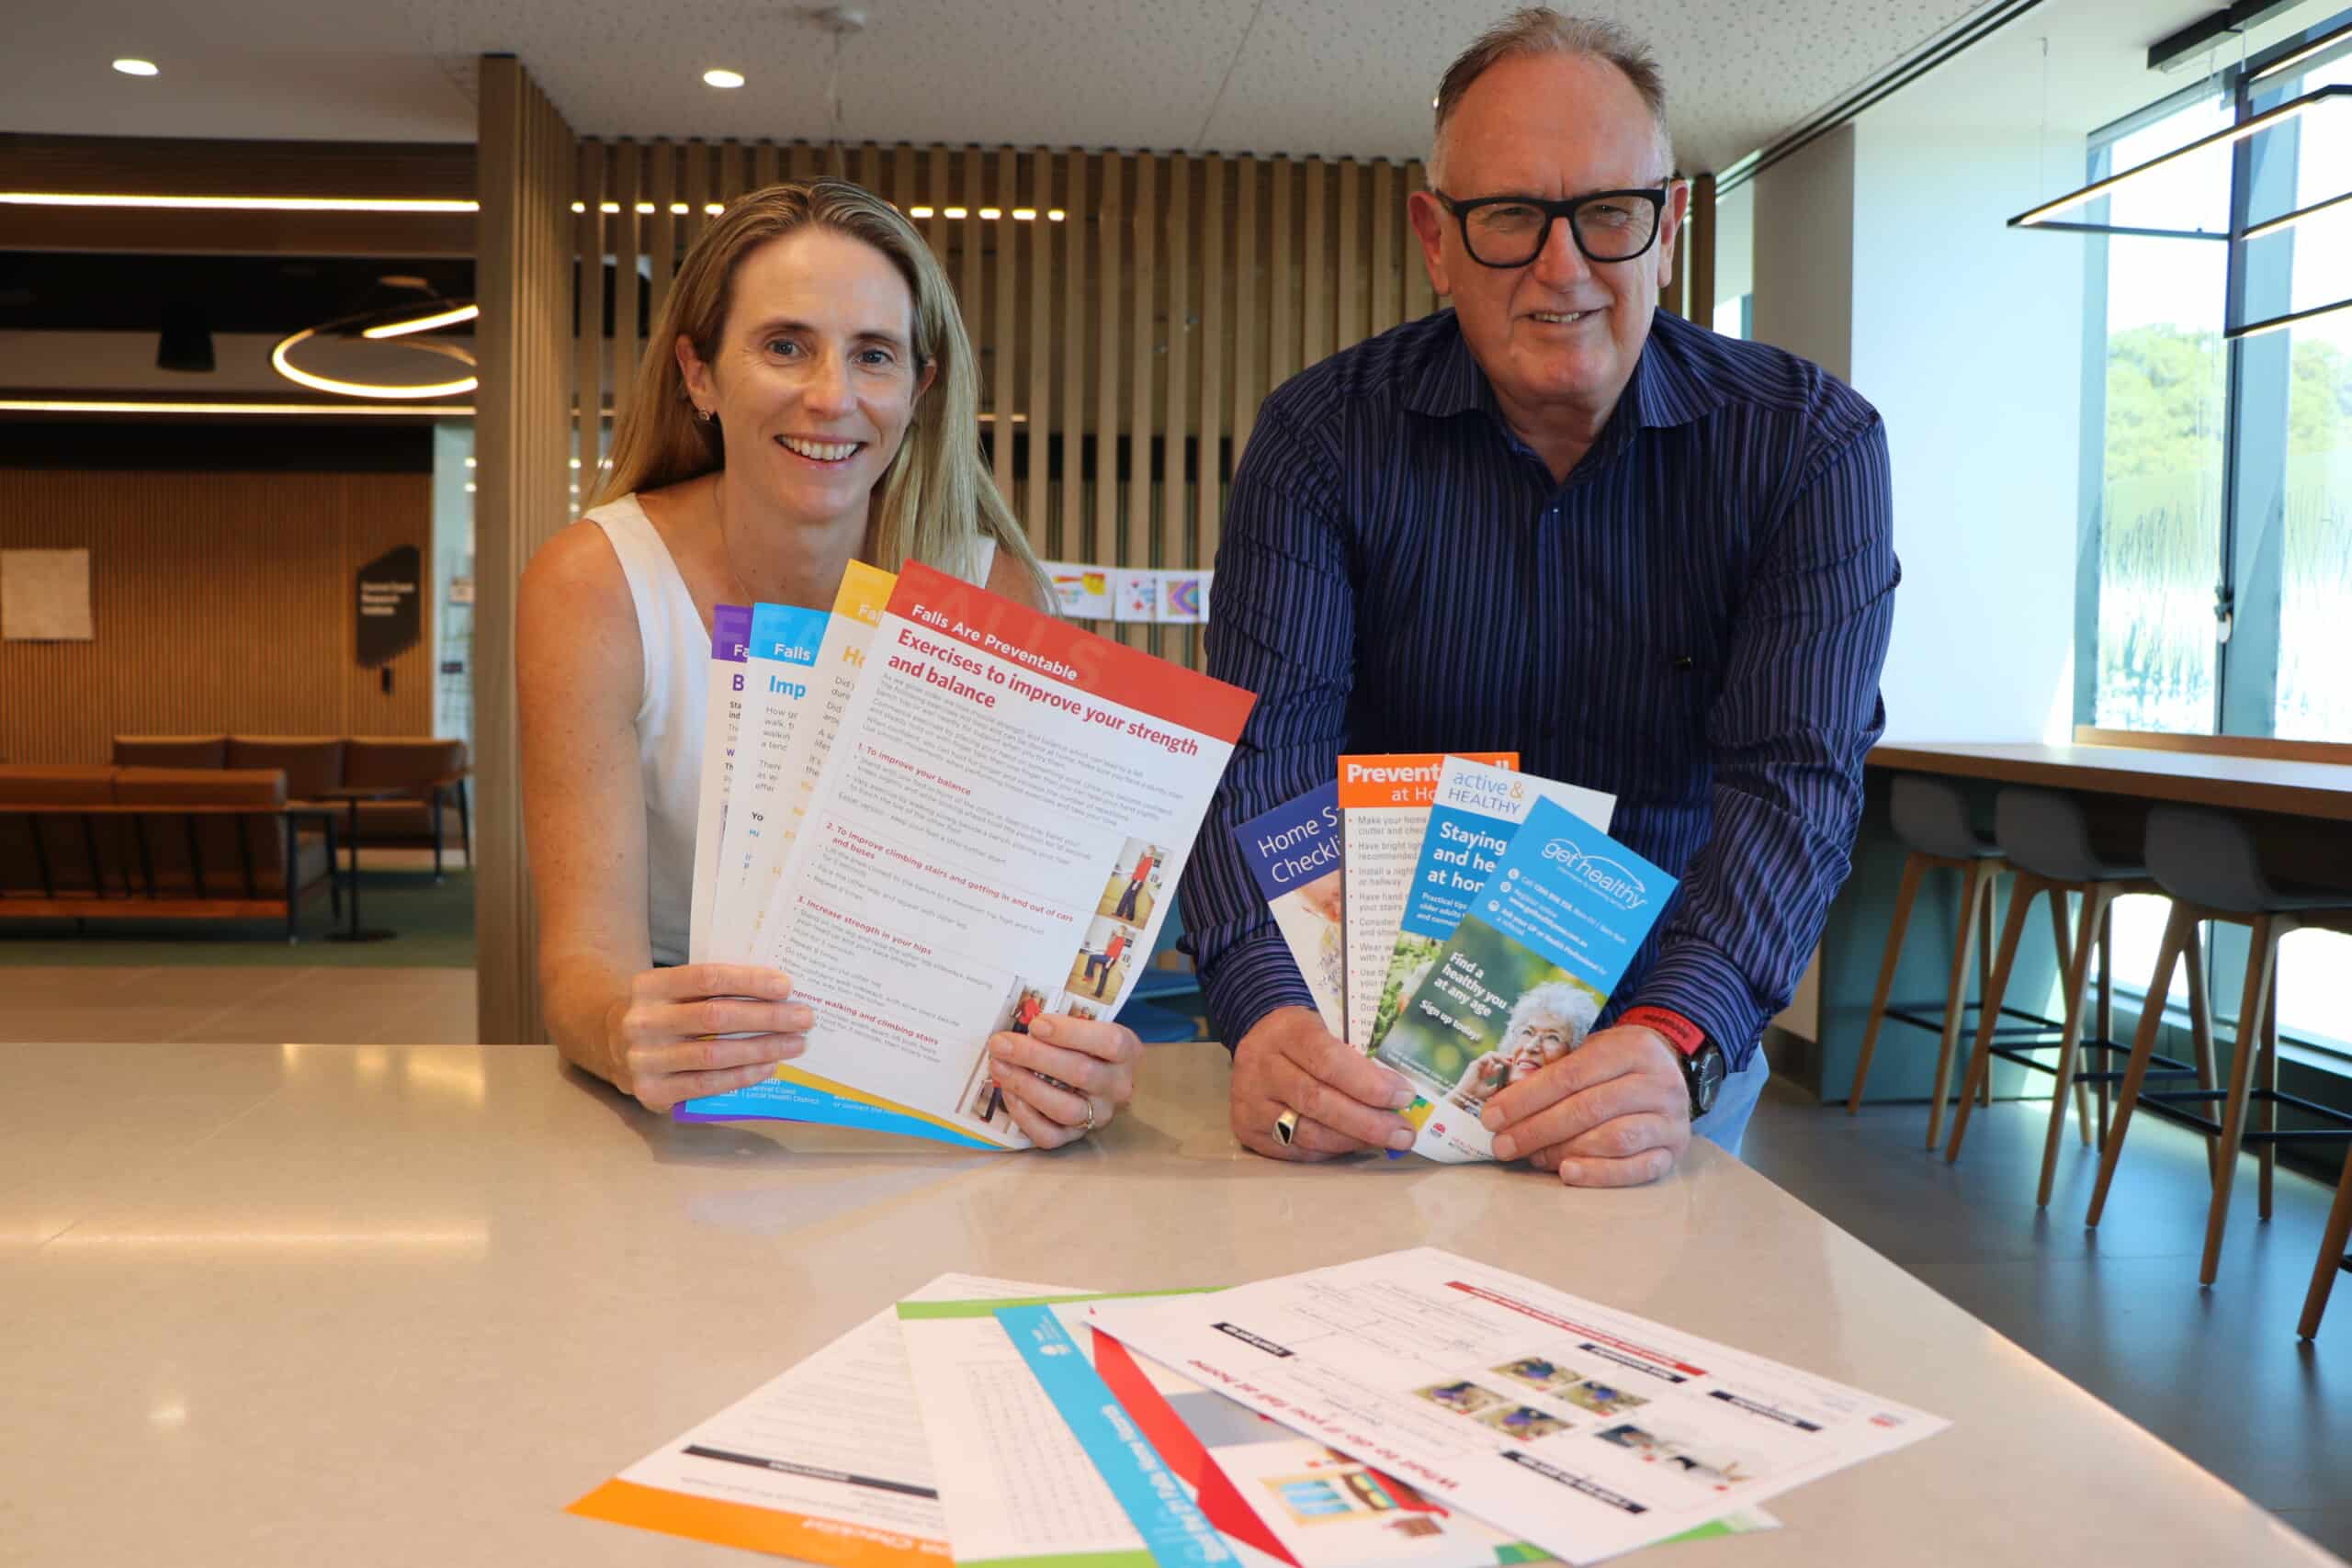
(2290, 788)
(350, 1304)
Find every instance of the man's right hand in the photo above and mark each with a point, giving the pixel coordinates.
(661, 1037)
(1346, 1102)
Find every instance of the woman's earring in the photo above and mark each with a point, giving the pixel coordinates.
(706, 415)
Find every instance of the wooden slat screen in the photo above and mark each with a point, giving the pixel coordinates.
(1124, 351)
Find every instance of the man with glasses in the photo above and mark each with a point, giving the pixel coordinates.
(1652, 560)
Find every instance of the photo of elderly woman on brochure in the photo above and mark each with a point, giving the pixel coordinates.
(1487, 1014)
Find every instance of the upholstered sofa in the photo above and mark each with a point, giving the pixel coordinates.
(429, 773)
(108, 842)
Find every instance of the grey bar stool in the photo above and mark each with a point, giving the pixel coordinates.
(2049, 839)
(2208, 861)
(1931, 817)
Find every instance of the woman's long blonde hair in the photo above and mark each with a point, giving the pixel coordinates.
(937, 501)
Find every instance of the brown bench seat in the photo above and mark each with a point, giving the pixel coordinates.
(431, 811)
(139, 842)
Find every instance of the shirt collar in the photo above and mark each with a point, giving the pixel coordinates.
(1665, 387)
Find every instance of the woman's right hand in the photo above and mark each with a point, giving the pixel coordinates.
(663, 1048)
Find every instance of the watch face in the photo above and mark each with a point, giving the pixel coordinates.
(1707, 1072)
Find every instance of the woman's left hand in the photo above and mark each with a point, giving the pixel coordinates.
(1067, 1077)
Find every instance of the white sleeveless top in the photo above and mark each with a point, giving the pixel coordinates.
(670, 713)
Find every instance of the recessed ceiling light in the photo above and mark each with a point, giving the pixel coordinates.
(130, 67)
(955, 212)
(992, 213)
(719, 76)
(920, 212)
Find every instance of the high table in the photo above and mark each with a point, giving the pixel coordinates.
(304, 1304)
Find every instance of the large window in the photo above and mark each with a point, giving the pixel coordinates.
(2217, 593)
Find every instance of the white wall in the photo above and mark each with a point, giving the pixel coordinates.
(1968, 337)
(1881, 254)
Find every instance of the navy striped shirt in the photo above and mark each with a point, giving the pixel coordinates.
(1694, 623)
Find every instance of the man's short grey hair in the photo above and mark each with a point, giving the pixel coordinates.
(1539, 29)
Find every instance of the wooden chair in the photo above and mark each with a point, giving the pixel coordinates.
(2049, 836)
(2207, 860)
(1930, 816)
(2332, 1254)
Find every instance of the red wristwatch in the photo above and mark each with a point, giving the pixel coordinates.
(1703, 1067)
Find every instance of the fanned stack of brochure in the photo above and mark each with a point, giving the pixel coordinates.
(942, 814)
(1417, 1409)
(1462, 921)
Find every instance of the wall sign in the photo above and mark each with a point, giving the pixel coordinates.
(390, 607)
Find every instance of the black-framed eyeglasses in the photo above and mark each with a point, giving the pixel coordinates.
(1512, 230)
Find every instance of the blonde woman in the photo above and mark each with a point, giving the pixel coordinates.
(807, 398)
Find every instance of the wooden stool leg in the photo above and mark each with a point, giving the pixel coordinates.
(1973, 884)
(2200, 1031)
(1985, 972)
(2062, 940)
(2247, 1047)
(2269, 1080)
(2331, 1253)
(1915, 867)
(2106, 1013)
(2181, 926)
(1980, 1060)
(2095, 898)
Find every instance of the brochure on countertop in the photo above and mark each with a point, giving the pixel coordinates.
(1007, 804)
(1585, 1430)
(1383, 806)
(1473, 816)
(1024, 1453)
(1274, 1492)
(731, 636)
(827, 1463)
(1524, 977)
(1294, 852)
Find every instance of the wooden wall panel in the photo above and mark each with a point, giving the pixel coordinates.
(1004, 295)
(1249, 274)
(1070, 235)
(1036, 508)
(523, 277)
(220, 602)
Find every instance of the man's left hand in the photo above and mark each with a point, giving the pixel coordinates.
(1613, 1112)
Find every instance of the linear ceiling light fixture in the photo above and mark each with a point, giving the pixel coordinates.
(130, 66)
(719, 76)
(2278, 323)
(2291, 109)
(237, 203)
(93, 405)
(2317, 45)
(2287, 220)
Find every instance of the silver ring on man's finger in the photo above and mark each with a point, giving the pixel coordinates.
(1286, 1128)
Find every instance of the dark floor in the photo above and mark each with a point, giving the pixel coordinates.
(2218, 1373)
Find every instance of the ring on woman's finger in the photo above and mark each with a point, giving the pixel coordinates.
(1286, 1128)
(1088, 1128)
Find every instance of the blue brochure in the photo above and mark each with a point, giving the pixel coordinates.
(1294, 852)
(1524, 977)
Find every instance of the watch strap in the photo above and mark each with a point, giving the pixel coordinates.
(1685, 1036)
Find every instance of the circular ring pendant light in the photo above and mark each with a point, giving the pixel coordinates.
(406, 319)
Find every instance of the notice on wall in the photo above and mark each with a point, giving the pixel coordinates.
(45, 596)
(390, 607)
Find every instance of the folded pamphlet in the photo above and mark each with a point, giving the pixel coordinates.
(1524, 977)
(1384, 806)
(1294, 852)
(1476, 809)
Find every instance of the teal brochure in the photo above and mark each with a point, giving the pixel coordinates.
(1156, 1501)
(1473, 818)
(1522, 979)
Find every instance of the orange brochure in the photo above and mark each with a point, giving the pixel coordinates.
(1385, 802)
